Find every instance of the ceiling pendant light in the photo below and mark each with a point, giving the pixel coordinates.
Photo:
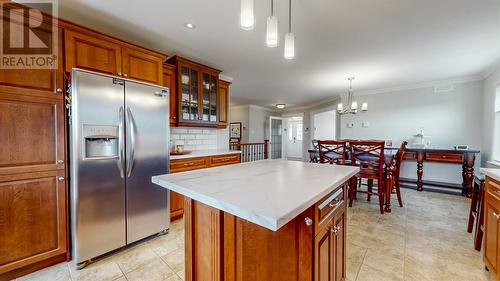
(289, 37)
(247, 19)
(272, 29)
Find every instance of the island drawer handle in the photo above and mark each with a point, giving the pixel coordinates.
(337, 202)
(334, 196)
(335, 230)
(308, 221)
(496, 215)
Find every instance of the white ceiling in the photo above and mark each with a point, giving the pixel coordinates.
(383, 43)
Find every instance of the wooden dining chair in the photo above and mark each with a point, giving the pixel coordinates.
(369, 157)
(398, 159)
(332, 152)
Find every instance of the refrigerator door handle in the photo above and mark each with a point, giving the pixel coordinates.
(132, 130)
(121, 138)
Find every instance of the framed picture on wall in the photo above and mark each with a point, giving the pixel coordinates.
(235, 130)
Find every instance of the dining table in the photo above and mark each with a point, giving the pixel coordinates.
(389, 168)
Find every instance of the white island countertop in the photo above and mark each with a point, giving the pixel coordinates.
(269, 193)
(492, 173)
(204, 153)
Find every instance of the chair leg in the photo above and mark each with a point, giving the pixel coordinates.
(370, 189)
(473, 208)
(398, 193)
(381, 196)
(352, 190)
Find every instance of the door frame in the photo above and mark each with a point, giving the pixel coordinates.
(283, 135)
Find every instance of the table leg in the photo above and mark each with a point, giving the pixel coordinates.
(420, 171)
(468, 173)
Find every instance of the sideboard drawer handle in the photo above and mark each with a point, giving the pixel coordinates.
(189, 164)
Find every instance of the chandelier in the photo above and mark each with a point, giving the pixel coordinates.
(352, 106)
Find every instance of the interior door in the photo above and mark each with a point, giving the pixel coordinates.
(277, 127)
(294, 139)
(147, 146)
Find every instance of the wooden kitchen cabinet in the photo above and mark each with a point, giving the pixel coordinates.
(195, 163)
(37, 82)
(330, 239)
(97, 52)
(198, 96)
(170, 81)
(140, 65)
(223, 97)
(492, 227)
(32, 134)
(34, 223)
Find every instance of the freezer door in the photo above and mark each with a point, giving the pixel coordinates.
(97, 192)
(147, 129)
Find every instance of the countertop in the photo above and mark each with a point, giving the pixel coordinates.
(268, 193)
(492, 173)
(204, 153)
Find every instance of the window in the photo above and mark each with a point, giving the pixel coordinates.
(299, 132)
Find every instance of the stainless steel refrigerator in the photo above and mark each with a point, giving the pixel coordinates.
(119, 138)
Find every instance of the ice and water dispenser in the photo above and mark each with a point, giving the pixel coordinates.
(101, 142)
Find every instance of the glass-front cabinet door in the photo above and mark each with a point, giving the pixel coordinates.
(209, 101)
(189, 94)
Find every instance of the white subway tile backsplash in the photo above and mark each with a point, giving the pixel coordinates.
(195, 138)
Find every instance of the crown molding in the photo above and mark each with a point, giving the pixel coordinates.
(239, 106)
(490, 70)
(262, 108)
(430, 84)
(226, 78)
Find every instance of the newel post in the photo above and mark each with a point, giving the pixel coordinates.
(266, 149)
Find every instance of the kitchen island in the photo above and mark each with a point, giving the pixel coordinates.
(264, 220)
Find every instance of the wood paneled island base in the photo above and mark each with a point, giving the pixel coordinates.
(223, 247)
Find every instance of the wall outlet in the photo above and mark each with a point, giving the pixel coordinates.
(365, 124)
(350, 125)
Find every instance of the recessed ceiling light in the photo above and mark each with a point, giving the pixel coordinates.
(280, 105)
(189, 25)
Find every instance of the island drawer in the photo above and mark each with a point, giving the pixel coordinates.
(445, 157)
(182, 165)
(221, 160)
(325, 208)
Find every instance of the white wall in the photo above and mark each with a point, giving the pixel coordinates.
(255, 121)
(450, 118)
(240, 114)
(490, 85)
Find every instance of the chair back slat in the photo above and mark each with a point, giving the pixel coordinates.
(332, 152)
(399, 158)
(369, 157)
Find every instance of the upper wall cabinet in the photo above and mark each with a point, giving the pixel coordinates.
(104, 54)
(170, 81)
(198, 95)
(223, 102)
(35, 82)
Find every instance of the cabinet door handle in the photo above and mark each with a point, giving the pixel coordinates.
(335, 230)
(60, 178)
(119, 74)
(59, 90)
(496, 215)
(308, 221)
(60, 161)
(125, 75)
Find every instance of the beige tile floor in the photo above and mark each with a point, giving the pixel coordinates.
(426, 240)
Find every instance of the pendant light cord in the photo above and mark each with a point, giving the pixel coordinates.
(272, 8)
(290, 16)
